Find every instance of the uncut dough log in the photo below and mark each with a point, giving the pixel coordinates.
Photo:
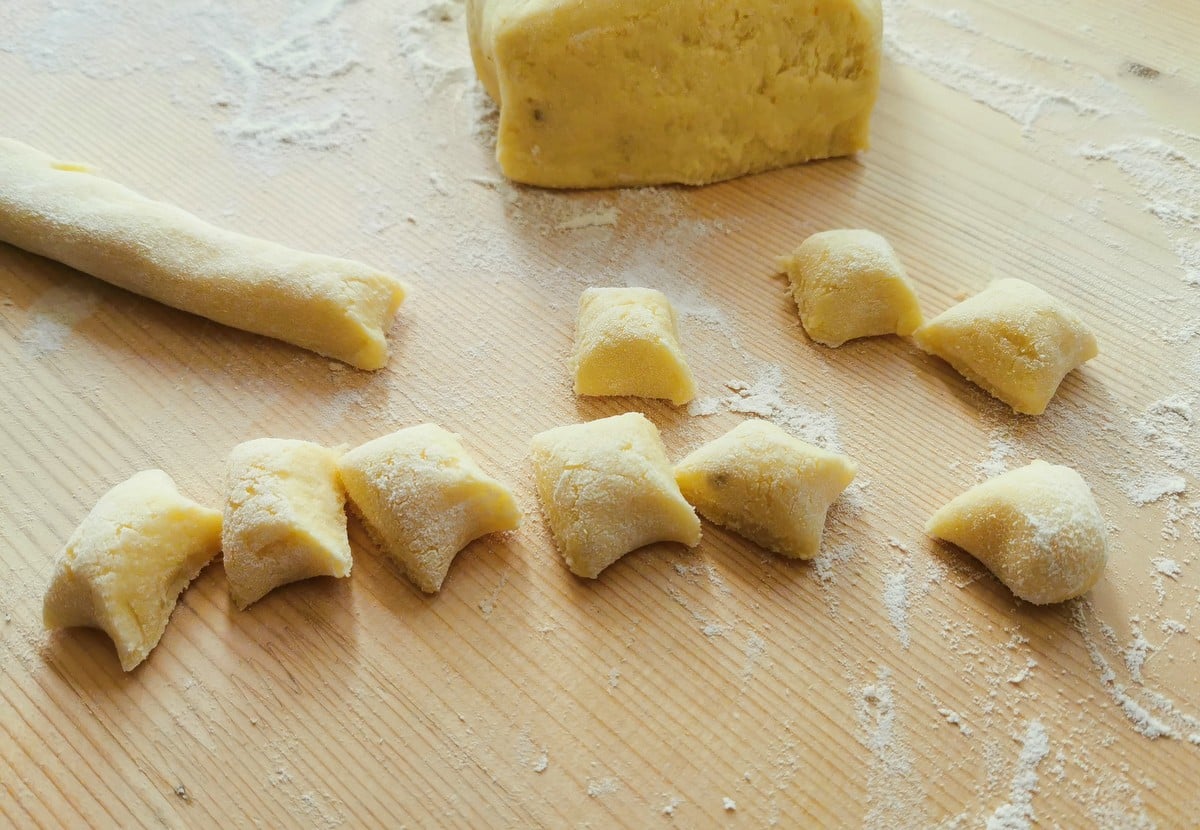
(335, 307)
(285, 517)
(1037, 528)
(607, 488)
(422, 498)
(126, 564)
(766, 485)
(627, 343)
(601, 93)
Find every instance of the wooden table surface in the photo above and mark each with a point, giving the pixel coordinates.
(893, 683)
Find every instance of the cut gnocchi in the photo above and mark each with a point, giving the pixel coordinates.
(1014, 340)
(766, 485)
(423, 499)
(849, 284)
(627, 343)
(1037, 528)
(125, 566)
(607, 489)
(284, 517)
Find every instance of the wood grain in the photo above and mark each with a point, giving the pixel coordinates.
(521, 696)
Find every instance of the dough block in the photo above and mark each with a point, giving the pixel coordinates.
(850, 284)
(1014, 340)
(335, 307)
(606, 488)
(766, 485)
(1037, 528)
(627, 343)
(603, 93)
(125, 566)
(423, 499)
(284, 517)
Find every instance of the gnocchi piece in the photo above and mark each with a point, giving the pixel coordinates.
(627, 343)
(125, 566)
(766, 485)
(850, 284)
(606, 488)
(1037, 528)
(423, 499)
(614, 93)
(284, 517)
(1014, 340)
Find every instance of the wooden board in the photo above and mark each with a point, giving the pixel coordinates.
(893, 683)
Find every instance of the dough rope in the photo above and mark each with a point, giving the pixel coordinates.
(335, 307)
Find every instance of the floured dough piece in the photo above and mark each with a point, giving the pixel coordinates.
(606, 488)
(850, 284)
(284, 517)
(1014, 340)
(627, 343)
(423, 499)
(762, 483)
(1037, 528)
(126, 564)
(602, 93)
(60, 210)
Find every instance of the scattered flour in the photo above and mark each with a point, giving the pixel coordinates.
(1001, 451)
(728, 804)
(299, 82)
(1169, 180)
(672, 803)
(1164, 433)
(1018, 814)
(1139, 716)
(1166, 567)
(1137, 651)
(599, 217)
(895, 597)
(599, 787)
(764, 398)
(893, 797)
(754, 651)
(53, 317)
(912, 38)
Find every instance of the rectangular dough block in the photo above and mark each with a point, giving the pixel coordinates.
(335, 307)
(602, 93)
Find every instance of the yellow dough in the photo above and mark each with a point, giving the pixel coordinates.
(850, 284)
(627, 343)
(284, 517)
(1014, 340)
(766, 485)
(606, 488)
(423, 499)
(1037, 528)
(126, 564)
(335, 307)
(602, 93)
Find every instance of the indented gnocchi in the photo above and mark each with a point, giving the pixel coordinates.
(850, 284)
(423, 499)
(627, 343)
(125, 566)
(606, 488)
(766, 485)
(284, 517)
(1014, 340)
(1037, 528)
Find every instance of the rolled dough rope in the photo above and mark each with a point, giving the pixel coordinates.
(335, 307)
